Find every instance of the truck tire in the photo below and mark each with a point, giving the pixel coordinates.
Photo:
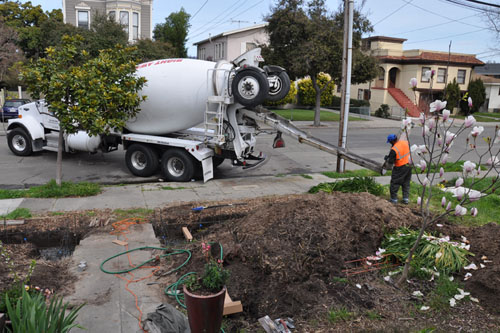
(177, 165)
(250, 87)
(20, 142)
(142, 160)
(279, 86)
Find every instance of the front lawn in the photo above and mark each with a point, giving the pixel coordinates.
(308, 115)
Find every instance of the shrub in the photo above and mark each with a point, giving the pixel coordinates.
(307, 94)
(354, 185)
(353, 102)
(452, 94)
(383, 111)
(290, 98)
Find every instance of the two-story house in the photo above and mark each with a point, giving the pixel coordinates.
(398, 66)
(134, 15)
(229, 45)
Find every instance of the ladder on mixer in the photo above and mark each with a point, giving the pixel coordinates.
(216, 107)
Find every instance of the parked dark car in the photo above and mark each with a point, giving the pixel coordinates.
(9, 109)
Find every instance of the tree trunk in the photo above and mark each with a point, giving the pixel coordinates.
(317, 106)
(59, 157)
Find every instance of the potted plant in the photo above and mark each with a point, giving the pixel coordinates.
(204, 294)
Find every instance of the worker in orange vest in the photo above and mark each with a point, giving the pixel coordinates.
(399, 156)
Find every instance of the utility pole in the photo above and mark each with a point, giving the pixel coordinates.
(346, 80)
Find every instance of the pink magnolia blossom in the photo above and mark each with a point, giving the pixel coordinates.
(473, 211)
(431, 123)
(448, 206)
(413, 83)
(422, 165)
(441, 172)
(460, 211)
(469, 167)
(469, 121)
(477, 130)
(425, 182)
(425, 130)
(449, 137)
(406, 123)
(469, 102)
(459, 193)
(497, 139)
(440, 140)
(437, 105)
(422, 118)
(419, 201)
(493, 161)
(443, 202)
(444, 159)
(459, 182)
(474, 195)
(446, 114)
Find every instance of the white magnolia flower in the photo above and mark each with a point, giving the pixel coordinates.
(458, 297)
(467, 276)
(493, 161)
(477, 130)
(422, 165)
(449, 137)
(422, 118)
(419, 201)
(437, 105)
(460, 211)
(413, 83)
(425, 130)
(439, 225)
(474, 196)
(469, 102)
(444, 159)
(469, 121)
(469, 167)
(380, 251)
(459, 193)
(443, 202)
(387, 278)
(452, 302)
(441, 172)
(431, 123)
(446, 114)
(417, 293)
(451, 278)
(448, 207)
(497, 139)
(459, 182)
(474, 299)
(424, 308)
(482, 265)
(406, 123)
(358, 286)
(425, 182)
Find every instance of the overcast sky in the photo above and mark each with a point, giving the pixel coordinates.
(426, 24)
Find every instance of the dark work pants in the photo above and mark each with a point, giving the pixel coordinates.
(401, 176)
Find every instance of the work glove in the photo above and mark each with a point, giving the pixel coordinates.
(386, 157)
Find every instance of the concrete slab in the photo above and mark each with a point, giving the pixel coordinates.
(109, 306)
(8, 205)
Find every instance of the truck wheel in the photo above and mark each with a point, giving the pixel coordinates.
(142, 160)
(177, 165)
(250, 87)
(19, 142)
(279, 86)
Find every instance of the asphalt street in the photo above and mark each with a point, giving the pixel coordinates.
(365, 138)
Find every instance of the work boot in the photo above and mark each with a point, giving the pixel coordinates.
(405, 201)
(394, 201)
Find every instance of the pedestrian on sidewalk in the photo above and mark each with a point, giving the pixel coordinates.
(399, 156)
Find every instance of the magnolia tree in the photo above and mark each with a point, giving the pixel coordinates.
(439, 133)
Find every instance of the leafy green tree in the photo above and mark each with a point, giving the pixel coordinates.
(308, 40)
(174, 31)
(452, 94)
(477, 92)
(84, 93)
(148, 50)
(9, 55)
(104, 33)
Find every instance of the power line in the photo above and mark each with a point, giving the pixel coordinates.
(429, 40)
(484, 3)
(192, 17)
(406, 4)
(431, 26)
(216, 17)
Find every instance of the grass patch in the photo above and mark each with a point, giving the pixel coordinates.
(18, 213)
(372, 315)
(482, 117)
(51, 190)
(354, 185)
(351, 173)
(307, 176)
(343, 314)
(128, 213)
(308, 115)
(170, 188)
(56, 213)
(443, 291)
(339, 279)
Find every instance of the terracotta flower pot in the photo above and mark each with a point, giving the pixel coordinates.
(205, 312)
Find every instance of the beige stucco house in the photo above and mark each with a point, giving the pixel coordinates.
(229, 45)
(398, 66)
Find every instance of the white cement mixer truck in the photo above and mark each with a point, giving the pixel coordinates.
(220, 98)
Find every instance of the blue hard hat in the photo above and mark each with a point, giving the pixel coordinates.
(391, 138)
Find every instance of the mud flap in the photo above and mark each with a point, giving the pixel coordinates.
(208, 169)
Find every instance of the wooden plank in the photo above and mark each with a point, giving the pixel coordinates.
(187, 235)
(13, 222)
(119, 242)
(231, 307)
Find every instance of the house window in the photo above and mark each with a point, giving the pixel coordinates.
(135, 26)
(124, 21)
(360, 94)
(423, 77)
(461, 76)
(83, 19)
(201, 53)
(219, 51)
(112, 16)
(441, 77)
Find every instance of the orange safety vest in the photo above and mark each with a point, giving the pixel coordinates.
(402, 149)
